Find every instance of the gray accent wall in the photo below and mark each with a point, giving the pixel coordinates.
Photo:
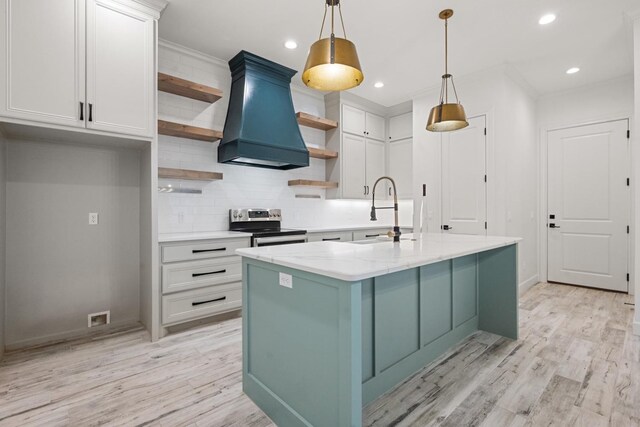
(59, 268)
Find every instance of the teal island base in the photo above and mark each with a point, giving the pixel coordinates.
(314, 353)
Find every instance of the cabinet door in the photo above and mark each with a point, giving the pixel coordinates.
(42, 49)
(401, 127)
(401, 166)
(120, 72)
(353, 120)
(376, 168)
(375, 127)
(353, 167)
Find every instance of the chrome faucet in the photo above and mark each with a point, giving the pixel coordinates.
(396, 229)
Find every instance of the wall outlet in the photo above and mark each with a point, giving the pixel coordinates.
(93, 218)
(286, 280)
(99, 319)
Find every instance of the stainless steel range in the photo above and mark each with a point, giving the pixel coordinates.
(264, 226)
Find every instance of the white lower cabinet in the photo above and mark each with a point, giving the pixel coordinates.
(337, 236)
(200, 279)
(372, 233)
(191, 305)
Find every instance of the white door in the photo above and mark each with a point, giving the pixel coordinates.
(120, 72)
(376, 127)
(588, 202)
(43, 44)
(401, 166)
(353, 166)
(375, 168)
(353, 120)
(464, 190)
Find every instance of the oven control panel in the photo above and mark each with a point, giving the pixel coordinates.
(248, 215)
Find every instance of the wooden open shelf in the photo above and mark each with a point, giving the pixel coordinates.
(189, 132)
(187, 174)
(318, 153)
(310, 183)
(315, 122)
(186, 88)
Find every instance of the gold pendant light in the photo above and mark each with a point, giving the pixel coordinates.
(333, 63)
(446, 117)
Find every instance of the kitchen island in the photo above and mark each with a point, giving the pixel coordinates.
(330, 326)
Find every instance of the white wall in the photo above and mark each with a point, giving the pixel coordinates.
(511, 159)
(58, 268)
(609, 100)
(3, 181)
(242, 186)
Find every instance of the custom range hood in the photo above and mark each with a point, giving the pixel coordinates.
(261, 129)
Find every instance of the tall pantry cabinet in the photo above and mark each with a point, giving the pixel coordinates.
(86, 64)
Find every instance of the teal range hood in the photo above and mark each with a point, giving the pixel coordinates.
(261, 129)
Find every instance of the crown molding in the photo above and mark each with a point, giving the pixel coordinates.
(152, 8)
(166, 44)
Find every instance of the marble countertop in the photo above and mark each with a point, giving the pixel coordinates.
(206, 235)
(353, 262)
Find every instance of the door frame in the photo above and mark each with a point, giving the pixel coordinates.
(544, 194)
(487, 162)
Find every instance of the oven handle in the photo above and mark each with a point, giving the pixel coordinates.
(279, 239)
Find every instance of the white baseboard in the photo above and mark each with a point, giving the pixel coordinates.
(71, 335)
(636, 328)
(528, 284)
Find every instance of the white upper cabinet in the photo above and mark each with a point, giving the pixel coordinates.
(52, 50)
(375, 168)
(43, 44)
(401, 127)
(353, 120)
(119, 69)
(360, 122)
(375, 127)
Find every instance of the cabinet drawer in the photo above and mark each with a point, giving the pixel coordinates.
(338, 236)
(202, 250)
(191, 305)
(370, 234)
(198, 274)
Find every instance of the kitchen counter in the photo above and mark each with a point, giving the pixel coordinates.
(328, 327)
(372, 225)
(352, 261)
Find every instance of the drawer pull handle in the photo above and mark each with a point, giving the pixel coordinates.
(371, 235)
(199, 251)
(209, 273)
(331, 239)
(207, 302)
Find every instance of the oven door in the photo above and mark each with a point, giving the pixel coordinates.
(279, 240)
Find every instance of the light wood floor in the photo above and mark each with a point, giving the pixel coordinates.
(576, 363)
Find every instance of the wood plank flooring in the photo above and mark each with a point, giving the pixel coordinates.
(576, 364)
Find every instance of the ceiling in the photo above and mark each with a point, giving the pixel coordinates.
(401, 43)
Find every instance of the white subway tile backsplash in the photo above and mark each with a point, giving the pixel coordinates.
(242, 186)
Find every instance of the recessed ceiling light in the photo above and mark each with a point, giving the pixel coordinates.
(547, 19)
(290, 44)
(573, 70)
(378, 85)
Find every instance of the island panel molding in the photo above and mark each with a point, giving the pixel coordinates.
(373, 332)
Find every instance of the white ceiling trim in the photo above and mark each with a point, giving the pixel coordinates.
(151, 7)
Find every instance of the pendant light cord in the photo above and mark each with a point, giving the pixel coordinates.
(342, 20)
(324, 19)
(446, 59)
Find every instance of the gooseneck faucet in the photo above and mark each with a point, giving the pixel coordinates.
(396, 229)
